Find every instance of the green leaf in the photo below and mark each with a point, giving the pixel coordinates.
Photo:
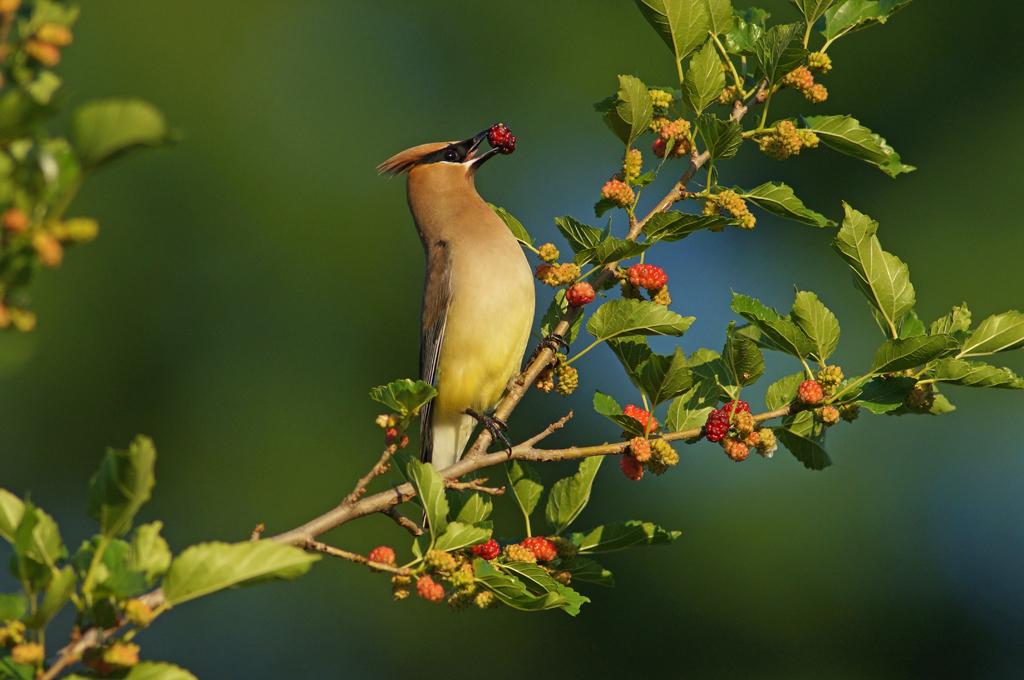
(611, 250)
(976, 374)
(150, 553)
(882, 277)
(812, 9)
(459, 535)
(513, 592)
(570, 495)
(430, 491)
(632, 113)
(106, 129)
(609, 408)
(846, 135)
(675, 226)
(884, 395)
(780, 200)
(469, 507)
(720, 16)
(778, 51)
(663, 377)
(682, 24)
(554, 314)
(957, 322)
(113, 576)
(748, 27)
(705, 78)
(405, 397)
(899, 355)
(853, 15)
(44, 544)
(779, 332)
(58, 592)
(580, 236)
(525, 484)
(911, 325)
(611, 537)
(122, 485)
(684, 414)
(818, 323)
(514, 225)
(998, 333)
(632, 317)
(208, 567)
(540, 580)
(806, 450)
(586, 570)
(153, 670)
(722, 138)
(783, 391)
(712, 376)
(12, 606)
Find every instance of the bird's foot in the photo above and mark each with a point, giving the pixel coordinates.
(553, 342)
(496, 426)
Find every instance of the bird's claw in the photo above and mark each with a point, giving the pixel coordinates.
(554, 342)
(496, 426)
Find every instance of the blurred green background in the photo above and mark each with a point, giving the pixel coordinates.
(250, 284)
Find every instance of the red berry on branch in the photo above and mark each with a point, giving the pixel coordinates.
(648, 276)
(501, 138)
(646, 420)
(730, 408)
(487, 551)
(541, 547)
(717, 426)
(580, 294)
(382, 554)
(810, 392)
(631, 467)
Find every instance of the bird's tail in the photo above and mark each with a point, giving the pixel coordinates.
(451, 433)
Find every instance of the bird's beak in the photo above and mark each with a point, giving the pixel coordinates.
(474, 144)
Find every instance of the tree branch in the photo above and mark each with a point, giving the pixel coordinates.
(323, 548)
(404, 522)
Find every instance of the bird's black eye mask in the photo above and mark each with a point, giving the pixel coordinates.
(453, 153)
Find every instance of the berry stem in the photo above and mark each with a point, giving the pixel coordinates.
(737, 80)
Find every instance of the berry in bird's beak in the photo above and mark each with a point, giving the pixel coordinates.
(501, 138)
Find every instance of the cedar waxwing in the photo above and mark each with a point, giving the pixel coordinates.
(478, 296)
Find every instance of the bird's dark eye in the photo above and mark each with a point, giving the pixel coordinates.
(451, 155)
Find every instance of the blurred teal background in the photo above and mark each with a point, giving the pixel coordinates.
(250, 284)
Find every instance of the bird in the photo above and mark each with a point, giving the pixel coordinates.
(478, 293)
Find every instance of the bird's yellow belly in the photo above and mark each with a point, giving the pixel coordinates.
(485, 336)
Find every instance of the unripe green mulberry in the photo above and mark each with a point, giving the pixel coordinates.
(439, 560)
(557, 275)
(767, 443)
(663, 456)
(830, 378)
(12, 633)
(783, 142)
(519, 553)
(632, 165)
(568, 379)
(732, 203)
(401, 586)
(849, 412)
(463, 577)
(808, 138)
(485, 599)
(660, 99)
(618, 192)
(728, 95)
(744, 422)
(661, 296)
(548, 252)
(819, 61)
(564, 547)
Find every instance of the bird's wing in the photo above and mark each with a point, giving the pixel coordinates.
(436, 297)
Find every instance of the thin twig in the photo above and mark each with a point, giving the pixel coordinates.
(475, 485)
(257, 531)
(380, 468)
(549, 430)
(404, 522)
(317, 546)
